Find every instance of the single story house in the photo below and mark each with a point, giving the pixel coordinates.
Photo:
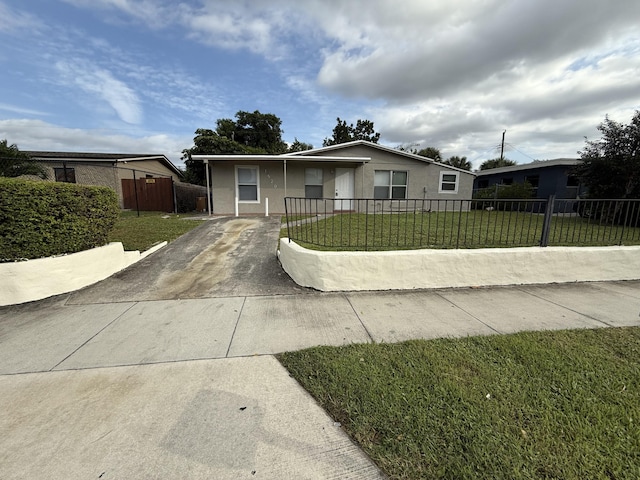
(119, 171)
(547, 177)
(245, 184)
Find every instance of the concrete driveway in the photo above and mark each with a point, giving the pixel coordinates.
(221, 258)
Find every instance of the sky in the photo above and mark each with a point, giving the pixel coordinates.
(140, 76)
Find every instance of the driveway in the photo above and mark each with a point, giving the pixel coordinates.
(223, 257)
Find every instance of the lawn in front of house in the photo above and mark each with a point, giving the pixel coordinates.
(533, 405)
(142, 232)
(472, 229)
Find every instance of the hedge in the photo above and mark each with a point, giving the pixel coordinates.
(43, 219)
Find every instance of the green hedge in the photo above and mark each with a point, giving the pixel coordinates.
(42, 219)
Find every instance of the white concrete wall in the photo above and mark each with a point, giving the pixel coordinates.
(43, 277)
(414, 269)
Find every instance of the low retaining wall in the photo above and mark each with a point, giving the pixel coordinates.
(44, 277)
(415, 269)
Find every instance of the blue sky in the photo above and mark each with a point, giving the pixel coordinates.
(142, 76)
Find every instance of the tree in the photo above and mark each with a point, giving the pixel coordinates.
(298, 146)
(610, 166)
(260, 130)
(14, 163)
(430, 152)
(250, 133)
(205, 142)
(496, 163)
(458, 162)
(343, 133)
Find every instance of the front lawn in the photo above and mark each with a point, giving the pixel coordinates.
(150, 228)
(473, 229)
(533, 405)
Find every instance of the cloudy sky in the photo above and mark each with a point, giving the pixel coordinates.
(141, 76)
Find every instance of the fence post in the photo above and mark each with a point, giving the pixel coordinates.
(546, 223)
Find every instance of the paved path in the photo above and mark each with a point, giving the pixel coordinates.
(223, 257)
(129, 387)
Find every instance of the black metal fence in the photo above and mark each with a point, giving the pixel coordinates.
(372, 224)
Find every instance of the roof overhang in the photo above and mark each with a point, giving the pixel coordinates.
(281, 158)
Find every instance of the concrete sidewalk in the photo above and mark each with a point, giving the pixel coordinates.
(188, 389)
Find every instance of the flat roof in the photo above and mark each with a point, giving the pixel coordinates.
(556, 162)
(282, 158)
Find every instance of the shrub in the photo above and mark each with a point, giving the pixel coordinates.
(42, 219)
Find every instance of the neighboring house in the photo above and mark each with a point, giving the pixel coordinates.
(117, 171)
(547, 177)
(357, 169)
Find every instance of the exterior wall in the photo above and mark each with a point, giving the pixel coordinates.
(414, 269)
(101, 174)
(145, 167)
(223, 180)
(423, 176)
(423, 179)
(552, 180)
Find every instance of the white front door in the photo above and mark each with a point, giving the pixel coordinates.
(345, 188)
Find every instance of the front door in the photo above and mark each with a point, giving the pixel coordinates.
(345, 188)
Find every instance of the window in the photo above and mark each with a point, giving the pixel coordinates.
(534, 181)
(313, 182)
(448, 182)
(247, 184)
(506, 181)
(65, 174)
(390, 184)
(483, 183)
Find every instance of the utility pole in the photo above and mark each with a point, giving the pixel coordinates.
(502, 147)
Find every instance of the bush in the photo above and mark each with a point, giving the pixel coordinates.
(515, 191)
(42, 219)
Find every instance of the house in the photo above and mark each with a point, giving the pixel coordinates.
(246, 184)
(140, 181)
(547, 177)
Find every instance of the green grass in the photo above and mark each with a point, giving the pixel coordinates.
(474, 229)
(141, 233)
(542, 405)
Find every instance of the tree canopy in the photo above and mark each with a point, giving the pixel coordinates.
(610, 166)
(343, 133)
(249, 133)
(497, 163)
(458, 162)
(298, 146)
(430, 152)
(14, 163)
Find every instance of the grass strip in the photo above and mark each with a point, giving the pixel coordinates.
(533, 405)
(150, 228)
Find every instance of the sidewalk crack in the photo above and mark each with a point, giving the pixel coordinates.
(235, 327)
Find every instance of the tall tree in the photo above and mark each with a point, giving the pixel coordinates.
(343, 133)
(260, 130)
(497, 163)
(249, 133)
(610, 166)
(458, 162)
(430, 152)
(205, 142)
(298, 146)
(14, 163)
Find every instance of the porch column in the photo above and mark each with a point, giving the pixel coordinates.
(206, 169)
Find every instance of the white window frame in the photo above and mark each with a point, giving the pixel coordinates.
(257, 169)
(441, 182)
(391, 185)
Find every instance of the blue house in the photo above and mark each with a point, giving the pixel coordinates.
(547, 177)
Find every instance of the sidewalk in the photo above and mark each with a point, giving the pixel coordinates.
(189, 389)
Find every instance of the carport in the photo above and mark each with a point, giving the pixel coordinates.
(249, 181)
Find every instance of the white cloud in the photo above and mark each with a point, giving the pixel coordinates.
(15, 21)
(39, 135)
(96, 81)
